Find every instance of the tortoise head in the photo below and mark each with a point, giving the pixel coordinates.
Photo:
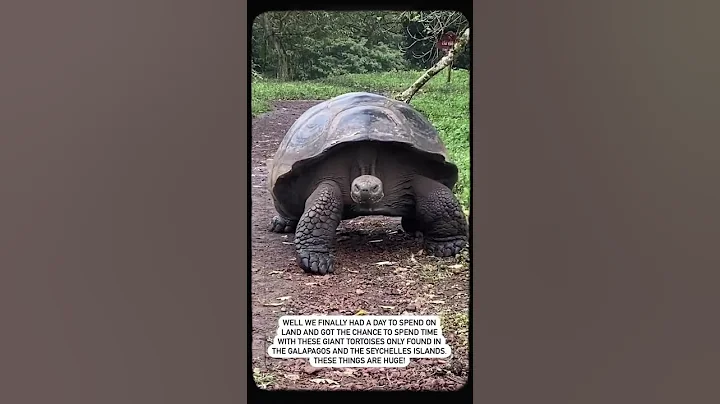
(367, 190)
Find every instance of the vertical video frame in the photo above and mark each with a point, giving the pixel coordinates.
(360, 181)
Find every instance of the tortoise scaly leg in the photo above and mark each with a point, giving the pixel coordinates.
(440, 217)
(282, 223)
(315, 233)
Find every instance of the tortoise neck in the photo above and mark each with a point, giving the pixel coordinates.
(366, 159)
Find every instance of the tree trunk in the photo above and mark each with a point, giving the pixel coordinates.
(283, 72)
(446, 61)
(283, 69)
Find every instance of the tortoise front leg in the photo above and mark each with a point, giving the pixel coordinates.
(439, 216)
(282, 223)
(315, 233)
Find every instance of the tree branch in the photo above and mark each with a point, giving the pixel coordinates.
(407, 95)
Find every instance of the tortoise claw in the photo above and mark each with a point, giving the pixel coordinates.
(316, 263)
(446, 248)
(279, 224)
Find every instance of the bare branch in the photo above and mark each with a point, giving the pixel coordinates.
(432, 26)
(407, 95)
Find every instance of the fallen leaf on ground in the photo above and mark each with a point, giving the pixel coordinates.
(385, 263)
(292, 377)
(283, 298)
(456, 266)
(437, 301)
(387, 307)
(359, 291)
(275, 272)
(287, 242)
(374, 241)
(361, 312)
(273, 304)
(311, 284)
(355, 272)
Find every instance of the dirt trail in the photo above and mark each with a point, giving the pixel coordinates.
(413, 283)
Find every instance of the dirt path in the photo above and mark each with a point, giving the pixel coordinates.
(413, 283)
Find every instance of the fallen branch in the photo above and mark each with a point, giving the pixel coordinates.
(446, 61)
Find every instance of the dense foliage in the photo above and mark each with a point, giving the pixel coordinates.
(306, 45)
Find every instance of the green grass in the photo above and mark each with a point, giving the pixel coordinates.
(446, 105)
(263, 380)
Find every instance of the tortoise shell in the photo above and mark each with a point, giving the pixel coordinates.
(353, 117)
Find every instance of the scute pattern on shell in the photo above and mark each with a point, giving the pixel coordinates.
(353, 117)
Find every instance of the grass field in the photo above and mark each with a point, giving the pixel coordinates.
(446, 105)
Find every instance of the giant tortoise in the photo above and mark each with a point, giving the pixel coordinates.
(363, 154)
